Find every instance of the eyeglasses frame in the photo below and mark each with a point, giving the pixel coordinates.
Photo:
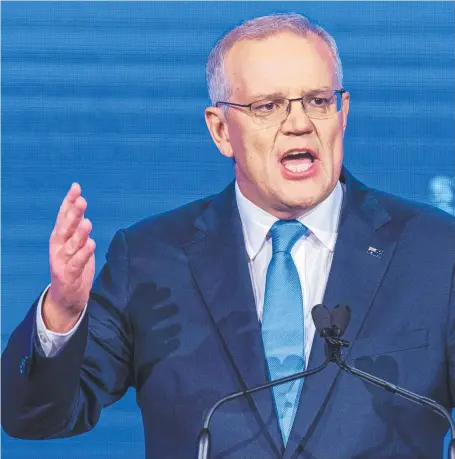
(288, 109)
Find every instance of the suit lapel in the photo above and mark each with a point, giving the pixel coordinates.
(219, 263)
(356, 273)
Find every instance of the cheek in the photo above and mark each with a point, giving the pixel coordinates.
(338, 148)
(332, 143)
(336, 154)
(263, 146)
(253, 149)
(247, 156)
(257, 151)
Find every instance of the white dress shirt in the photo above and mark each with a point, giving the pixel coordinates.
(312, 255)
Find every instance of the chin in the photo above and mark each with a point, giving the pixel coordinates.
(292, 208)
(305, 200)
(304, 205)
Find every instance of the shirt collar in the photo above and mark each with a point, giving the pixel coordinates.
(322, 220)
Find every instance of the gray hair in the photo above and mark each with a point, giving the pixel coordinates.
(258, 28)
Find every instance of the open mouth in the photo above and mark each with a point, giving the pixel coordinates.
(298, 161)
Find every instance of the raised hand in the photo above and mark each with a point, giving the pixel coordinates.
(72, 264)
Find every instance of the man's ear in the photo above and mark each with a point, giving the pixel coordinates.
(345, 109)
(218, 128)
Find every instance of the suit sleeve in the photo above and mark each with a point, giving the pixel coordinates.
(63, 395)
(51, 342)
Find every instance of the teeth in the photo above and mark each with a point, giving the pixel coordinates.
(298, 167)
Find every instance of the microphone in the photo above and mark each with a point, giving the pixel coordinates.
(331, 325)
(340, 317)
(204, 439)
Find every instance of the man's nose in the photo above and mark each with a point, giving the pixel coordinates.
(297, 121)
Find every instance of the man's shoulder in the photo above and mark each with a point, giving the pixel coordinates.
(175, 226)
(418, 215)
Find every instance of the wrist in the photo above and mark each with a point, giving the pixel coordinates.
(57, 318)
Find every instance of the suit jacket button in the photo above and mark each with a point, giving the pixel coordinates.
(23, 365)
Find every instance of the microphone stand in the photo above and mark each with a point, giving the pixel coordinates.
(204, 439)
(336, 345)
(331, 327)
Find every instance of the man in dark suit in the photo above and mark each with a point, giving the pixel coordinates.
(187, 307)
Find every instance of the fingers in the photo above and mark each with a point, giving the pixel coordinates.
(70, 215)
(71, 221)
(78, 238)
(73, 193)
(77, 263)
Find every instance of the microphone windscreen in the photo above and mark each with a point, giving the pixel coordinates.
(341, 315)
(321, 317)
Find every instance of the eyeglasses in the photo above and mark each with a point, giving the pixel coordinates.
(318, 105)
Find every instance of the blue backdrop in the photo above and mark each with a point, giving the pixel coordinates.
(111, 94)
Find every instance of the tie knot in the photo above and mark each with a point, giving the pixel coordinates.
(285, 233)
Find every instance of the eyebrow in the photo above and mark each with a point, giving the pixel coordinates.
(263, 95)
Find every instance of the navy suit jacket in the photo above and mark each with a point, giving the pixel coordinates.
(172, 313)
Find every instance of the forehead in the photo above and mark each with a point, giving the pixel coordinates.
(284, 63)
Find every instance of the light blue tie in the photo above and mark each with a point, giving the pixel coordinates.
(283, 321)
